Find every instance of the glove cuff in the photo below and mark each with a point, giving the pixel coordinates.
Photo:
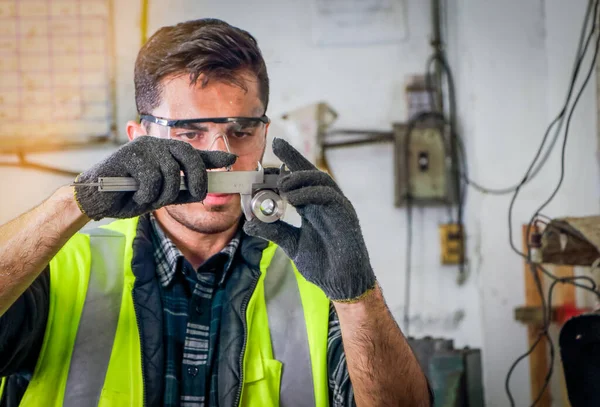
(77, 199)
(80, 204)
(356, 299)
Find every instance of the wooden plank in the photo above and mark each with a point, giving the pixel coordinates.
(538, 359)
(572, 241)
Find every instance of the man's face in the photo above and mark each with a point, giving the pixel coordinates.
(218, 212)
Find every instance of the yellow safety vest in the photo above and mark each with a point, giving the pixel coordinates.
(95, 268)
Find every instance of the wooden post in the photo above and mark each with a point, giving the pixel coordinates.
(538, 359)
(565, 296)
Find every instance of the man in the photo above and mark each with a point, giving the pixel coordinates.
(182, 302)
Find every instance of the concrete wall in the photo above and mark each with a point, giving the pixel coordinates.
(511, 60)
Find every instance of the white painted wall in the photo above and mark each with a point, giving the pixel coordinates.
(511, 60)
(365, 85)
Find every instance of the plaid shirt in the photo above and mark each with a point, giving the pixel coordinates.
(192, 304)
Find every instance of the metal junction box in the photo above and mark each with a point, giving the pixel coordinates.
(426, 174)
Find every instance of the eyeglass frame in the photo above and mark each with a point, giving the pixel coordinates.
(183, 122)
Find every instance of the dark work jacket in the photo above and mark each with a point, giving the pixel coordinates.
(580, 354)
(22, 326)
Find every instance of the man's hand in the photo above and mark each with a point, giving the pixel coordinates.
(328, 249)
(156, 164)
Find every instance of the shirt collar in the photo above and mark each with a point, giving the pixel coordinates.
(168, 257)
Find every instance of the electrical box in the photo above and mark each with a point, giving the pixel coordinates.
(422, 166)
(452, 243)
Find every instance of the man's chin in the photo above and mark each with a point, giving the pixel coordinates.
(203, 218)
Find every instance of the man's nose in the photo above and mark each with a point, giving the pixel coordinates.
(220, 143)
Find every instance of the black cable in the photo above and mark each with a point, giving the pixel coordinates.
(547, 319)
(408, 258)
(542, 334)
(532, 173)
(408, 197)
(567, 126)
(559, 117)
(547, 311)
(563, 280)
(457, 151)
(430, 88)
(514, 365)
(456, 154)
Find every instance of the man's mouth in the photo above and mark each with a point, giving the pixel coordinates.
(218, 199)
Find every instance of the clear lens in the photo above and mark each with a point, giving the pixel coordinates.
(241, 136)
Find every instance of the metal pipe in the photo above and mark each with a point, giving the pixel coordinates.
(436, 43)
(366, 137)
(366, 133)
(359, 142)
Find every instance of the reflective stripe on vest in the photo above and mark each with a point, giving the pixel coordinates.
(289, 338)
(99, 318)
(69, 276)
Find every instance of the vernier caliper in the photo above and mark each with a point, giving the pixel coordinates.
(258, 190)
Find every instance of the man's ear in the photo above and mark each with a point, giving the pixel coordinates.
(135, 130)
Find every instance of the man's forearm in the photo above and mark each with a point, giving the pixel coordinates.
(382, 367)
(28, 243)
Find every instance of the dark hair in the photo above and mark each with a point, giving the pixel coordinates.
(207, 46)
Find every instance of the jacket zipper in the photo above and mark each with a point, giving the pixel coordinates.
(244, 309)
(137, 317)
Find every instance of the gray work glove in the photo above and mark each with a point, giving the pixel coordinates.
(156, 164)
(328, 249)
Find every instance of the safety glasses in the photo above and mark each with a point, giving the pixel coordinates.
(240, 135)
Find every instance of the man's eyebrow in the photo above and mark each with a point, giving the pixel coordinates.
(196, 126)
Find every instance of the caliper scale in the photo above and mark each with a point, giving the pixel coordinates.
(258, 190)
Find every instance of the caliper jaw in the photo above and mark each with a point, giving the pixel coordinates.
(264, 202)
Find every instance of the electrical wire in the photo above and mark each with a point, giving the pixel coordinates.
(559, 117)
(408, 259)
(457, 151)
(547, 306)
(547, 320)
(542, 335)
(534, 168)
(532, 173)
(424, 116)
(566, 136)
(538, 162)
